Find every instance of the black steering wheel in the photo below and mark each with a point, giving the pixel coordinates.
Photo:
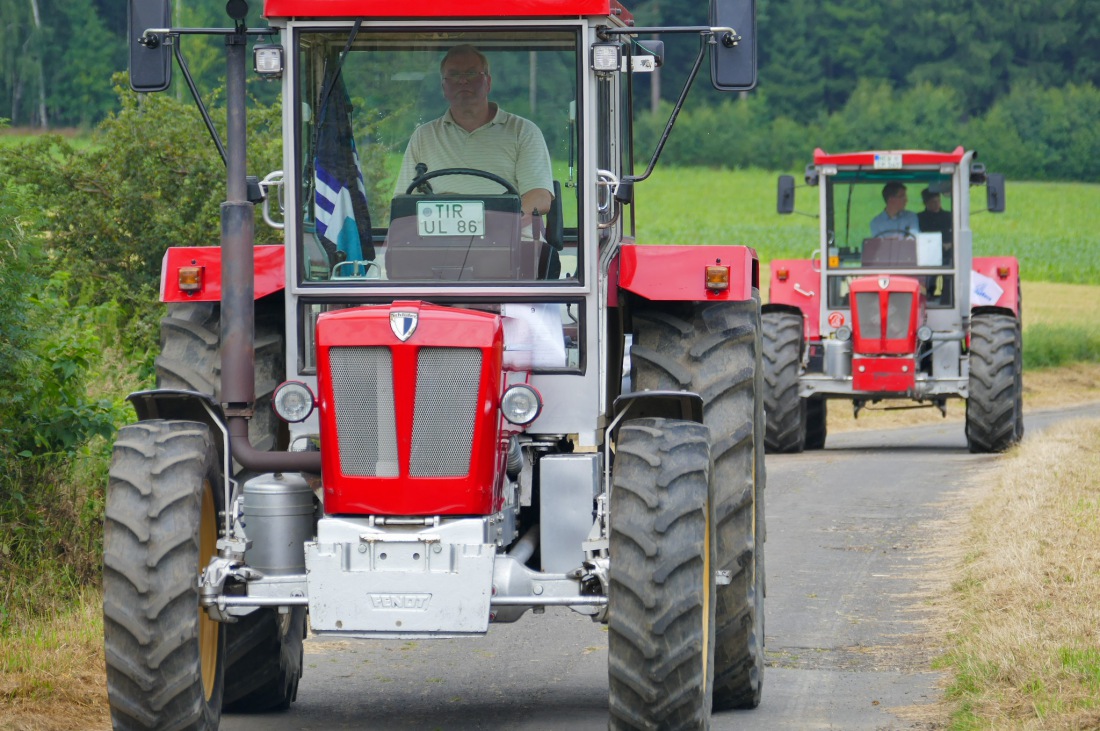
(420, 179)
(895, 233)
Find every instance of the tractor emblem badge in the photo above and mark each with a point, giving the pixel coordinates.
(883, 283)
(403, 324)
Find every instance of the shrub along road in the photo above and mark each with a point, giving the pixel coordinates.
(860, 536)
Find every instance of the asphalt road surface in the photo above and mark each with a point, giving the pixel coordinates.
(852, 533)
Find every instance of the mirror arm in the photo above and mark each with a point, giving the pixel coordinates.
(198, 101)
(706, 37)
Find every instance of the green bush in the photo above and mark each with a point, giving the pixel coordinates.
(152, 179)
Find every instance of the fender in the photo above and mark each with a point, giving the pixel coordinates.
(270, 263)
(1005, 271)
(683, 405)
(795, 285)
(167, 403)
(678, 273)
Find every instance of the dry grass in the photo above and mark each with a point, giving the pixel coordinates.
(1026, 623)
(53, 677)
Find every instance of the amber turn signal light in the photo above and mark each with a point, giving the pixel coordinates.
(718, 278)
(190, 279)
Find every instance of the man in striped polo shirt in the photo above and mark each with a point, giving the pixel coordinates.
(475, 133)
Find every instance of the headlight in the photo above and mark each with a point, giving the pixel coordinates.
(521, 404)
(843, 333)
(924, 333)
(293, 401)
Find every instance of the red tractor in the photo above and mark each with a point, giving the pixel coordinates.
(894, 305)
(412, 419)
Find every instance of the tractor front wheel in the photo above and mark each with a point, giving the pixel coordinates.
(785, 410)
(714, 350)
(994, 409)
(165, 656)
(661, 619)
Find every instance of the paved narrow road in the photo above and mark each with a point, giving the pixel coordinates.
(850, 536)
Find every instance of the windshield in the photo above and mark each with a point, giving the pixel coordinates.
(441, 156)
(890, 220)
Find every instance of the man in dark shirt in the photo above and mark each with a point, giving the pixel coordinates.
(933, 217)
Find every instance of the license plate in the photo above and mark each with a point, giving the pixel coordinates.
(450, 218)
(888, 161)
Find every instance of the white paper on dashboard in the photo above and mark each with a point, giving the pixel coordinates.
(533, 335)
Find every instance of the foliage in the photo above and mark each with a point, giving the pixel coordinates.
(152, 180)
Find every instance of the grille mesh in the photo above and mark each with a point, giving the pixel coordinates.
(447, 382)
(898, 315)
(362, 385)
(870, 315)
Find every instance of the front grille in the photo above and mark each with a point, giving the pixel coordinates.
(447, 382)
(870, 318)
(899, 310)
(362, 387)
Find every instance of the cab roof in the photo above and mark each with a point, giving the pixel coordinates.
(441, 10)
(909, 157)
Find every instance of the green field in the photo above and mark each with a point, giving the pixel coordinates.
(1052, 228)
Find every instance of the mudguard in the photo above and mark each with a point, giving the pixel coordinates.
(678, 273)
(1005, 273)
(270, 265)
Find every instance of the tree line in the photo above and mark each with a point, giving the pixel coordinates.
(57, 56)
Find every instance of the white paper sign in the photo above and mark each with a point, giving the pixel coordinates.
(984, 290)
(533, 335)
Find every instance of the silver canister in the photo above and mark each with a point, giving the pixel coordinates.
(278, 515)
(838, 358)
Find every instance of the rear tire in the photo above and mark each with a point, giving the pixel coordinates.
(994, 408)
(714, 351)
(662, 587)
(165, 656)
(190, 339)
(785, 411)
(267, 647)
(817, 413)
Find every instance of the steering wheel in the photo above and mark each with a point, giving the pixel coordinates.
(420, 179)
(899, 233)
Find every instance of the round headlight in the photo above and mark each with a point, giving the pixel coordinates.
(521, 404)
(843, 333)
(924, 333)
(293, 401)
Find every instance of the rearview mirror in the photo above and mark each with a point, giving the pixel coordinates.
(995, 192)
(151, 60)
(785, 201)
(733, 57)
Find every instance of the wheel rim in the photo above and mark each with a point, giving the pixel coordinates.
(707, 583)
(208, 628)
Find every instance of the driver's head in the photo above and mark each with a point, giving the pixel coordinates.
(893, 193)
(465, 77)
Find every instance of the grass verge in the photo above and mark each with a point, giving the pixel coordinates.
(52, 675)
(1024, 643)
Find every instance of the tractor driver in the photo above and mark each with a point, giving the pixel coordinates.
(476, 133)
(895, 220)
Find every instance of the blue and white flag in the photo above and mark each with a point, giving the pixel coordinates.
(340, 195)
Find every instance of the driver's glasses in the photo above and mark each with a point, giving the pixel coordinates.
(463, 77)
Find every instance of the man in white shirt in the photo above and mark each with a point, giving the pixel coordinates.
(895, 220)
(475, 133)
